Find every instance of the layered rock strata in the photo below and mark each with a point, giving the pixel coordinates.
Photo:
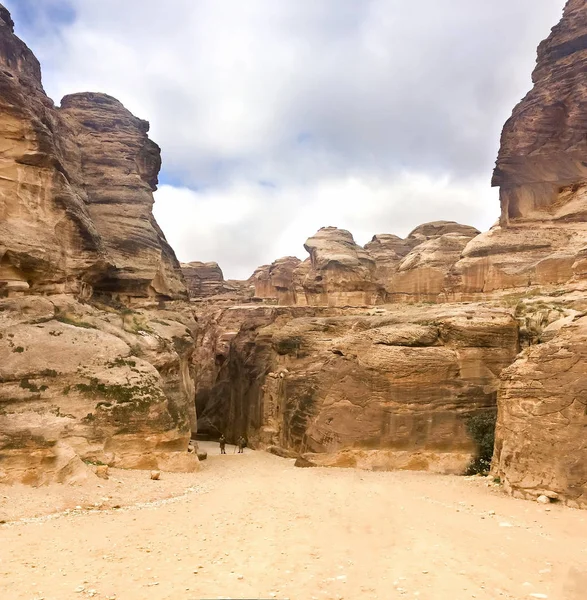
(384, 389)
(90, 369)
(76, 191)
(541, 443)
(203, 279)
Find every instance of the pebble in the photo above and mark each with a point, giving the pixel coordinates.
(538, 596)
(155, 475)
(543, 499)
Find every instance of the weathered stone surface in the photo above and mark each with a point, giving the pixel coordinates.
(75, 191)
(425, 274)
(541, 436)
(276, 281)
(388, 250)
(393, 388)
(541, 439)
(83, 377)
(80, 383)
(519, 257)
(341, 273)
(203, 279)
(543, 144)
(117, 171)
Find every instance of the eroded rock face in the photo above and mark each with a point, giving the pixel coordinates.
(276, 281)
(117, 171)
(78, 383)
(390, 389)
(542, 423)
(83, 376)
(76, 191)
(543, 144)
(426, 273)
(541, 442)
(203, 279)
(341, 272)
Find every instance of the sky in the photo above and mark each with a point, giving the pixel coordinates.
(278, 117)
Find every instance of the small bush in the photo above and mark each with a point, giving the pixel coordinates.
(25, 384)
(18, 349)
(481, 428)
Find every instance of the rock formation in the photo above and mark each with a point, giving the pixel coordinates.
(203, 279)
(76, 191)
(276, 281)
(341, 273)
(85, 372)
(386, 389)
(541, 441)
(373, 357)
(542, 427)
(541, 174)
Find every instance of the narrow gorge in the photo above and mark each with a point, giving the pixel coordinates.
(375, 357)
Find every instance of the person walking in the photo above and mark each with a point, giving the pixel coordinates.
(222, 441)
(241, 444)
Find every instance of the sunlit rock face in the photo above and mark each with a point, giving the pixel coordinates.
(76, 191)
(93, 365)
(390, 388)
(341, 272)
(542, 239)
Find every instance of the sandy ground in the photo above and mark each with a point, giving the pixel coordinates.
(254, 526)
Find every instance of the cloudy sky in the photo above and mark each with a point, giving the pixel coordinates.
(277, 117)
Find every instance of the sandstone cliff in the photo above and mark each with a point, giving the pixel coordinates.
(390, 388)
(76, 191)
(203, 279)
(85, 374)
(541, 432)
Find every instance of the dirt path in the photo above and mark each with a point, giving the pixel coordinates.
(253, 526)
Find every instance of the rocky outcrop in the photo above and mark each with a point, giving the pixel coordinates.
(85, 375)
(391, 389)
(542, 240)
(78, 383)
(276, 281)
(426, 272)
(76, 191)
(341, 272)
(116, 176)
(541, 173)
(541, 441)
(543, 144)
(203, 279)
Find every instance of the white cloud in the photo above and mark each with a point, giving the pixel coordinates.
(373, 115)
(242, 226)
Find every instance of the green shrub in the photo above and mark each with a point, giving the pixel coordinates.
(25, 384)
(481, 428)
